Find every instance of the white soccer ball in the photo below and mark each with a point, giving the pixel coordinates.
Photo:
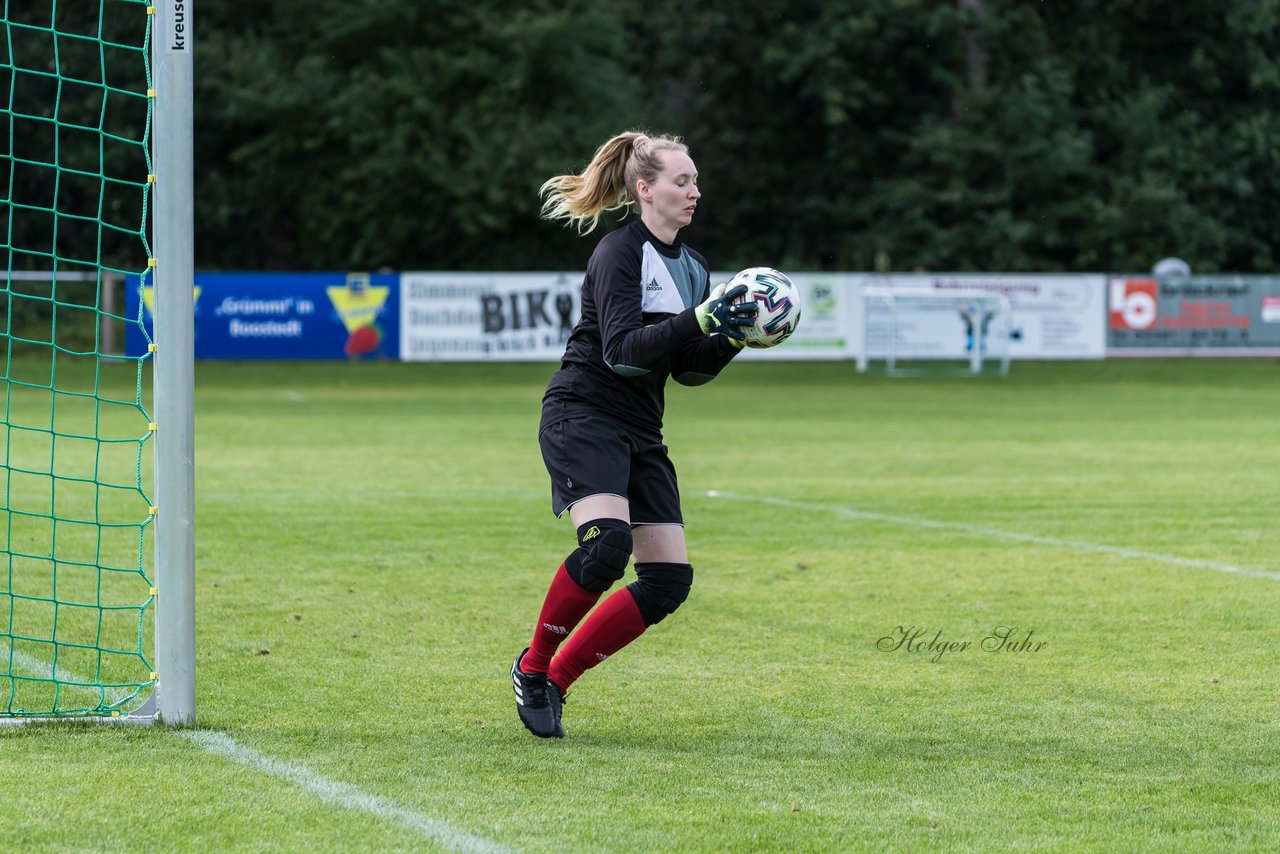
(779, 301)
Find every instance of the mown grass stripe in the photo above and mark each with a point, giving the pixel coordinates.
(998, 533)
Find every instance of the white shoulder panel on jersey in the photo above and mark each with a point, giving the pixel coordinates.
(661, 296)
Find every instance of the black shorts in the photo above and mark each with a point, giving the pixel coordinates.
(593, 455)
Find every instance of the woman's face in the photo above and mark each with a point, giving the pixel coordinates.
(674, 191)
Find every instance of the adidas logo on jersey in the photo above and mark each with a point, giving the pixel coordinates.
(653, 286)
(560, 630)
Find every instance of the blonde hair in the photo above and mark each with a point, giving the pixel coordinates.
(609, 181)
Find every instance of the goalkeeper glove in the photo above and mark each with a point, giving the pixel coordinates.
(720, 315)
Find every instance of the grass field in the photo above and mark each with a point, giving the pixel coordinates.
(373, 543)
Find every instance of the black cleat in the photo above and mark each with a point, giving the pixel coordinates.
(538, 701)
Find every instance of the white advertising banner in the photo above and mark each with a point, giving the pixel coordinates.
(507, 317)
(824, 331)
(1052, 316)
(528, 316)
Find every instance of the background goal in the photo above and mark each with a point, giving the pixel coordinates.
(924, 331)
(95, 529)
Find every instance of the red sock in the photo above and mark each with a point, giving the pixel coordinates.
(616, 623)
(565, 605)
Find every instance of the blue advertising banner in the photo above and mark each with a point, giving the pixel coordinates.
(283, 315)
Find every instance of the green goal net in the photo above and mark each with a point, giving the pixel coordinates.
(76, 593)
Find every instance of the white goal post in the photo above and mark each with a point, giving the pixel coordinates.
(960, 330)
(174, 230)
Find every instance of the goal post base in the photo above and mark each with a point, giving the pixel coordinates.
(144, 715)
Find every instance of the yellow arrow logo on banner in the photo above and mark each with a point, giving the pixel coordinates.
(357, 307)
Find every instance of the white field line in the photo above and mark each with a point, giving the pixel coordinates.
(980, 530)
(341, 794)
(334, 792)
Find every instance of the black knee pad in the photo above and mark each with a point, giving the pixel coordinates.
(660, 588)
(604, 547)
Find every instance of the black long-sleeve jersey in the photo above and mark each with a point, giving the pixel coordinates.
(637, 327)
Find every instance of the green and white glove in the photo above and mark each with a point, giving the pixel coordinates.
(719, 315)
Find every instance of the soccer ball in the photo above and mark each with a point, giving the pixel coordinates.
(779, 301)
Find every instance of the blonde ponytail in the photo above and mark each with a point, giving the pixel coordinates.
(608, 182)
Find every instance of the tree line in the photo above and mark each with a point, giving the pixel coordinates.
(957, 135)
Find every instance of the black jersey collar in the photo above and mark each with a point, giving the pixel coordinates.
(671, 250)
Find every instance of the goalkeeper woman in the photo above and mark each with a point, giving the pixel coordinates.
(648, 313)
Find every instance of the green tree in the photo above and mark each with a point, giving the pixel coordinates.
(1105, 136)
(377, 133)
(971, 135)
(795, 111)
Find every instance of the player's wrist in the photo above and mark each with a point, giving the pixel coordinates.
(688, 324)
